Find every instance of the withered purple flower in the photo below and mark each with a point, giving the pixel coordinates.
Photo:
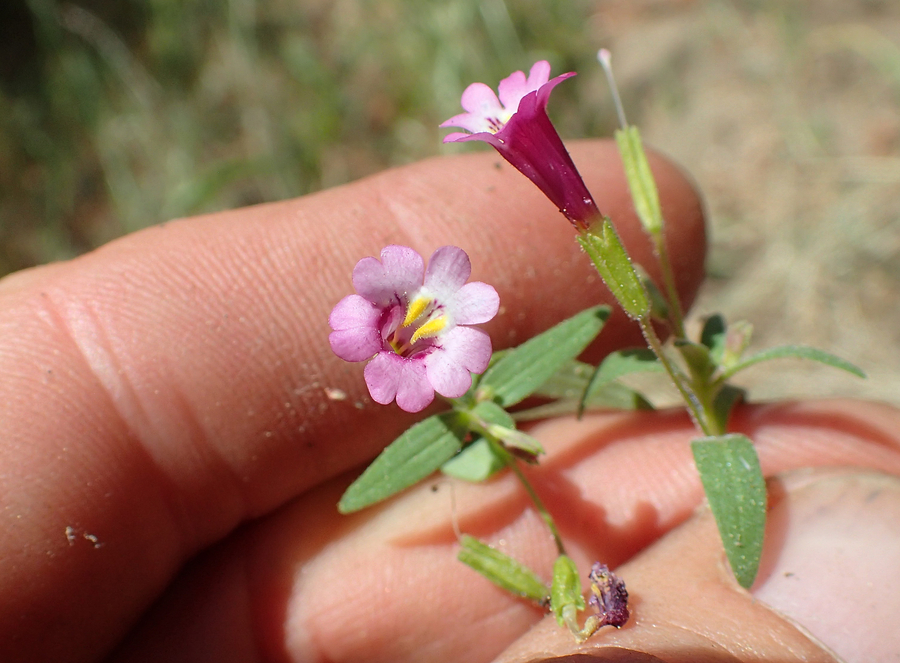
(608, 596)
(413, 325)
(517, 126)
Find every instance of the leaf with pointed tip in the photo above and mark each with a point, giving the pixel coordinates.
(568, 382)
(518, 374)
(613, 396)
(640, 178)
(714, 335)
(616, 365)
(477, 462)
(736, 491)
(502, 570)
(566, 588)
(411, 457)
(796, 352)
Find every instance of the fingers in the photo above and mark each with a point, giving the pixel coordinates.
(384, 584)
(827, 590)
(163, 389)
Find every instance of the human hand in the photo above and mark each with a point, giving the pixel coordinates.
(166, 399)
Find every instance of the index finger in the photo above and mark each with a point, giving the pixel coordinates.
(167, 387)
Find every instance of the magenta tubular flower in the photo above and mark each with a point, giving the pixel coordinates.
(413, 325)
(517, 126)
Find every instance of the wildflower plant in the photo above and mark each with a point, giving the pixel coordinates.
(414, 326)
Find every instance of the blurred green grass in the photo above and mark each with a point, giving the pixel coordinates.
(118, 114)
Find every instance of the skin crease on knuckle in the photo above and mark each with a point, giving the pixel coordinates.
(148, 380)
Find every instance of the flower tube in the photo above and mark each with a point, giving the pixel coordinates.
(517, 126)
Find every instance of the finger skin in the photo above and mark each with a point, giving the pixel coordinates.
(384, 584)
(171, 385)
(686, 606)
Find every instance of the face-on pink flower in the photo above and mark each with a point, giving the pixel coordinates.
(517, 126)
(412, 324)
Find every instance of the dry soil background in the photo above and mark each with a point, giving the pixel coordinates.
(788, 116)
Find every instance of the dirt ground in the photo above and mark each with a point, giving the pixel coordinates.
(788, 116)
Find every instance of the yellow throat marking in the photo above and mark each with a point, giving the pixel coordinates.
(415, 309)
(432, 327)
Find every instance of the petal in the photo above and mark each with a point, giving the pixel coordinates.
(354, 311)
(485, 136)
(356, 335)
(516, 86)
(448, 377)
(414, 392)
(399, 272)
(543, 95)
(468, 347)
(468, 121)
(539, 74)
(448, 269)
(512, 89)
(479, 99)
(355, 344)
(475, 303)
(383, 375)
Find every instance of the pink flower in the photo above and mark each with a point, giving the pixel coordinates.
(412, 324)
(517, 126)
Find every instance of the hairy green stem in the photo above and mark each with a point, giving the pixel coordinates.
(699, 413)
(676, 315)
(538, 503)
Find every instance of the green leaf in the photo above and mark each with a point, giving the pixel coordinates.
(516, 440)
(502, 570)
(714, 335)
(659, 305)
(485, 457)
(569, 381)
(565, 592)
(736, 342)
(477, 462)
(796, 352)
(518, 374)
(697, 357)
(613, 396)
(724, 402)
(486, 413)
(411, 457)
(619, 364)
(616, 269)
(494, 422)
(736, 490)
(640, 178)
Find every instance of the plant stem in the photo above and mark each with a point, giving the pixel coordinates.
(696, 409)
(538, 503)
(676, 315)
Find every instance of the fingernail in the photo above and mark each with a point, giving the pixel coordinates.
(832, 561)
